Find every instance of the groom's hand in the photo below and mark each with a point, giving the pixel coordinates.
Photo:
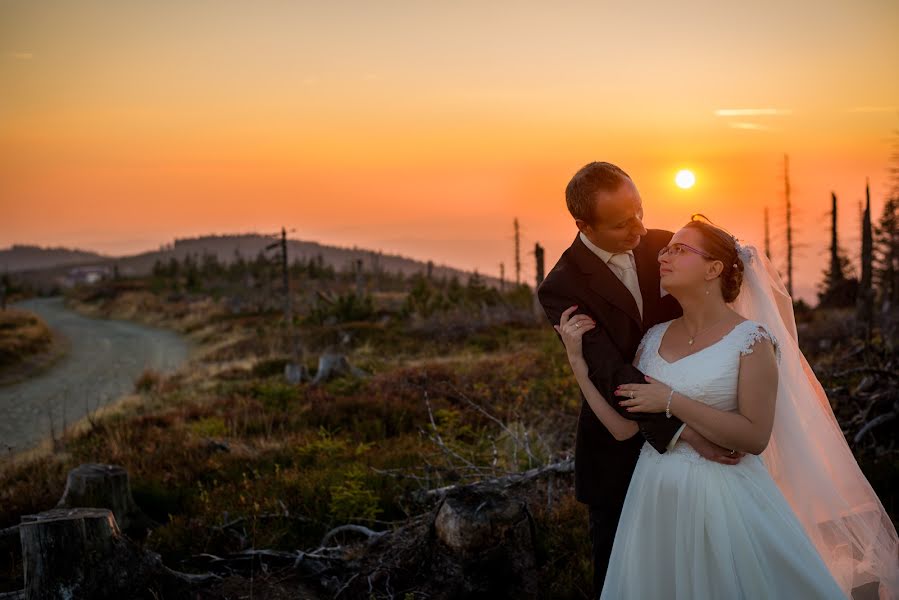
(710, 450)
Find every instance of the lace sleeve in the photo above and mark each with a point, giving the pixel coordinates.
(642, 345)
(755, 334)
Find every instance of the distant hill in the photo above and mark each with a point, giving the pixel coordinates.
(47, 264)
(20, 257)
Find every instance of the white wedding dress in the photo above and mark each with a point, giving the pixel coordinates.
(694, 529)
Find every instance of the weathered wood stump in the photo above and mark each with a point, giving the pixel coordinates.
(94, 485)
(81, 553)
(490, 538)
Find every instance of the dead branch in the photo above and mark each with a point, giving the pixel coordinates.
(480, 409)
(562, 466)
(878, 420)
(372, 535)
(437, 439)
(868, 370)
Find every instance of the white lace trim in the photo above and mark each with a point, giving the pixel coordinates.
(755, 334)
(681, 448)
(650, 333)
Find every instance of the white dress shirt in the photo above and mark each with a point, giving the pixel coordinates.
(605, 255)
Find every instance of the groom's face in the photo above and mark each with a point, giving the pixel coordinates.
(618, 219)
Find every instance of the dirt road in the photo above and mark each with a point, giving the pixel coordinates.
(105, 358)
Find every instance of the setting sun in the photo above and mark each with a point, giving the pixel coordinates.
(685, 179)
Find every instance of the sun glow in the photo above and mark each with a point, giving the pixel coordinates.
(685, 179)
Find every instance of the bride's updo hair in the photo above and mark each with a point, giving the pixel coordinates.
(723, 246)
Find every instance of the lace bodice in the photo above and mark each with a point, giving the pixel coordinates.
(708, 375)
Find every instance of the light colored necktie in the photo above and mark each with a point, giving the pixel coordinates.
(628, 276)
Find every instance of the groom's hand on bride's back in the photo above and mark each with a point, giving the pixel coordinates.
(710, 450)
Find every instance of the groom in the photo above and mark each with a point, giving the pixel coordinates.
(611, 272)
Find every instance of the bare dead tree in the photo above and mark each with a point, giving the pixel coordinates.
(865, 300)
(517, 252)
(789, 209)
(294, 372)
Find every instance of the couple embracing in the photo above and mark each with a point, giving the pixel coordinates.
(706, 450)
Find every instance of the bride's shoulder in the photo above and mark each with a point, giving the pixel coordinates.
(753, 332)
(658, 327)
(653, 331)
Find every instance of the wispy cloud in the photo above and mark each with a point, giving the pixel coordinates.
(21, 55)
(873, 109)
(752, 112)
(753, 126)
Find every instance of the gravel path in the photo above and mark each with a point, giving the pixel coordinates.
(106, 357)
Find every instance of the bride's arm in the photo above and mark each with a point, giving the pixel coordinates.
(747, 430)
(620, 427)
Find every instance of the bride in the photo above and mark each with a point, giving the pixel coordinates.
(795, 518)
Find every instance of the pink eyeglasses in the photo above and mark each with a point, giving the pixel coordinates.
(677, 249)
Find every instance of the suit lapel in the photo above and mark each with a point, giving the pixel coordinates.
(648, 276)
(603, 281)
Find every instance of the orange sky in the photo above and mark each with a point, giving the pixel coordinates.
(424, 129)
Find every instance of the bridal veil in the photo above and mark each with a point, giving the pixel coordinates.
(808, 456)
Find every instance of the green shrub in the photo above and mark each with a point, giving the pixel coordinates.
(351, 500)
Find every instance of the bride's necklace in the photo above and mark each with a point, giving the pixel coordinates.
(704, 329)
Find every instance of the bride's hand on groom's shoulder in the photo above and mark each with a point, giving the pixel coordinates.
(572, 330)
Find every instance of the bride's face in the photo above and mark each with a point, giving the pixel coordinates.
(687, 265)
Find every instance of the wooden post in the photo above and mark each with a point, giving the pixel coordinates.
(294, 371)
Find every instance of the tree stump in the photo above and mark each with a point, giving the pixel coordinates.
(95, 485)
(80, 553)
(332, 364)
(490, 537)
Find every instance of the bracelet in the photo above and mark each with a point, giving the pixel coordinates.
(668, 406)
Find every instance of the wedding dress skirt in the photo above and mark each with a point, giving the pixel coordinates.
(694, 529)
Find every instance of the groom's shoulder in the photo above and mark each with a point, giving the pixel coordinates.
(563, 277)
(562, 273)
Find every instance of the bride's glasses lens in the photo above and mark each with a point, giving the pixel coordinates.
(673, 250)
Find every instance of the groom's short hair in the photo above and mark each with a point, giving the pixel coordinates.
(580, 195)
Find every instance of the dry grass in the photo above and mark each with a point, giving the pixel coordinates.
(27, 345)
(22, 334)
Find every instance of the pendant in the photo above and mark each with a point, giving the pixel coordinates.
(691, 341)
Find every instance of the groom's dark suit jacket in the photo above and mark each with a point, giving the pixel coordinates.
(602, 465)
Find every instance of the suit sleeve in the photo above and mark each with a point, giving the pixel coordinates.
(607, 369)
